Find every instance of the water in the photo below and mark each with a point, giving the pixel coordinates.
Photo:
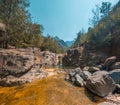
(61, 63)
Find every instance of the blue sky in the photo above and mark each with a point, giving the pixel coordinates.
(63, 18)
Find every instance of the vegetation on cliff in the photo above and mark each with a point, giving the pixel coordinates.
(105, 26)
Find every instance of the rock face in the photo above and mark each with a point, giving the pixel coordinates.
(18, 66)
(48, 59)
(84, 56)
(100, 84)
(15, 63)
(72, 57)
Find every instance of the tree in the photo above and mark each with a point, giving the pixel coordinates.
(77, 42)
(105, 8)
(99, 13)
(96, 16)
(50, 44)
(14, 15)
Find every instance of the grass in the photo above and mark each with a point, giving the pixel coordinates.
(49, 91)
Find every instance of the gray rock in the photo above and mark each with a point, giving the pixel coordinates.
(14, 62)
(18, 66)
(107, 103)
(72, 74)
(77, 70)
(100, 84)
(72, 79)
(117, 90)
(115, 75)
(100, 72)
(116, 65)
(86, 68)
(48, 59)
(67, 77)
(100, 66)
(78, 80)
(109, 61)
(85, 75)
(93, 69)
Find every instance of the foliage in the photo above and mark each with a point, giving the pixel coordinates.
(99, 13)
(50, 44)
(20, 30)
(104, 30)
(107, 28)
(81, 36)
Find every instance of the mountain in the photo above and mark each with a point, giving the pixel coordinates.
(69, 43)
(63, 45)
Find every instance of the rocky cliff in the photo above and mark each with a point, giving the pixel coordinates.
(19, 66)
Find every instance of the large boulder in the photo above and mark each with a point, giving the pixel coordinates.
(18, 66)
(16, 63)
(109, 61)
(115, 75)
(100, 84)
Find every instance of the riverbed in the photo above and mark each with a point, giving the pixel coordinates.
(52, 90)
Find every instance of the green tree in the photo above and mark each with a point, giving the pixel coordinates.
(78, 42)
(96, 16)
(105, 8)
(99, 12)
(14, 15)
(50, 44)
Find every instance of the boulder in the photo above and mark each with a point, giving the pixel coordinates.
(117, 90)
(109, 61)
(100, 72)
(16, 63)
(100, 84)
(93, 69)
(115, 75)
(78, 80)
(67, 77)
(86, 68)
(73, 73)
(85, 75)
(100, 66)
(18, 66)
(77, 70)
(116, 65)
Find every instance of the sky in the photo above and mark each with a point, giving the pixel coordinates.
(63, 18)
